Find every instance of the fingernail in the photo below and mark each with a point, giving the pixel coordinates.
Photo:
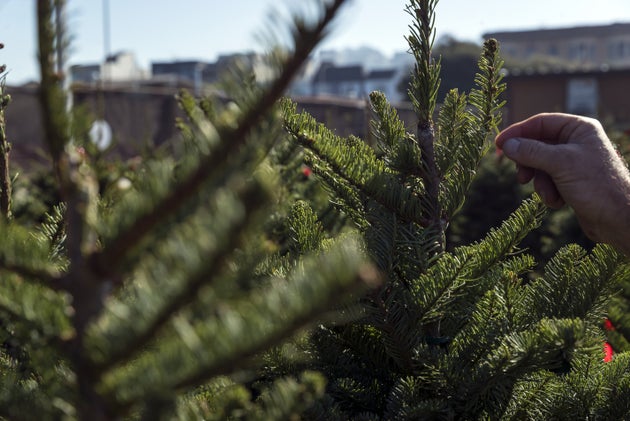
(510, 147)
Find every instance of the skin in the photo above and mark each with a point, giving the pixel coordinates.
(571, 160)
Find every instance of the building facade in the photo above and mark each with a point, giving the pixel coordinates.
(598, 94)
(119, 67)
(341, 81)
(354, 82)
(388, 82)
(586, 47)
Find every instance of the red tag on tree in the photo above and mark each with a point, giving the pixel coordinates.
(608, 324)
(608, 352)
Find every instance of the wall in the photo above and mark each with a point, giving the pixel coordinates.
(24, 124)
(531, 94)
(589, 46)
(146, 116)
(138, 118)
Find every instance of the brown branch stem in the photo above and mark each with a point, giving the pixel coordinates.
(5, 148)
(431, 177)
(75, 188)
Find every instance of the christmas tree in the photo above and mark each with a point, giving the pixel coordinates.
(153, 302)
(211, 290)
(477, 331)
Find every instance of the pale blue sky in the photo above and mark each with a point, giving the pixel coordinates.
(202, 29)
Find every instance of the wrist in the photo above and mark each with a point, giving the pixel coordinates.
(617, 220)
(620, 236)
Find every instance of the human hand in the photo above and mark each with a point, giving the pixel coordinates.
(571, 160)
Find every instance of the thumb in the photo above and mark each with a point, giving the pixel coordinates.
(532, 153)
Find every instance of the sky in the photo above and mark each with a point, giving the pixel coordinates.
(160, 30)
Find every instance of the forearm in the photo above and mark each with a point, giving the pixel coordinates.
(620, 234)
(617, 219)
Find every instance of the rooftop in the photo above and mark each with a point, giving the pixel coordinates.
(330, 73)
(598, 31)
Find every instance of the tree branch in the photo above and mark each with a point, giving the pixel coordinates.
(106, 262)
(5, 148)
(253, 196)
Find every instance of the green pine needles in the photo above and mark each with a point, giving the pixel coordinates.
(229, 283)
(5, 148)
(156, 301)
(474, 332)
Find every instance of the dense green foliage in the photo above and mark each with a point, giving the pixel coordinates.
(143, 300)
(468, 325)
(267, 269)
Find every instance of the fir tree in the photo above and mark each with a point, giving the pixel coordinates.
(617, 324)
(467, 332)
(158, 302)
(5, 148)
(155, 303)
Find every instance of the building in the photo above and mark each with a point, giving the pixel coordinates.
(585, 47)
(367, 57)
(195, 72)
(301, 85)
(199, 73)
(85, 73)
(386, 81)
(596, 93)
(119, 67)
(141, 114)
(355, 82)
(342, 81)
(122, 66)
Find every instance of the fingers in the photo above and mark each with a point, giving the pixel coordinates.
(536, 160)
(543, 184)
(549, 127)
(532, 158)
(530, 153)
(524, 174)
(547, 190)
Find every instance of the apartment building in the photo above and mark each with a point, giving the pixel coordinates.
(599, 94)
(587, 47)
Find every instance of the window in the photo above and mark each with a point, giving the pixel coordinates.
(582, 96)
(619, 50)
(582, 51)
(530, 50)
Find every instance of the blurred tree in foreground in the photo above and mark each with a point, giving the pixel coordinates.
(144, 305)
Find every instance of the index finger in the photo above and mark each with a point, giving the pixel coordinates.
(547, 127)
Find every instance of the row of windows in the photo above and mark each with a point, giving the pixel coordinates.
(619, 50)
(577, 51)
(582, 52)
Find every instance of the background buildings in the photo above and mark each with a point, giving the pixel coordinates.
(583, 70)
